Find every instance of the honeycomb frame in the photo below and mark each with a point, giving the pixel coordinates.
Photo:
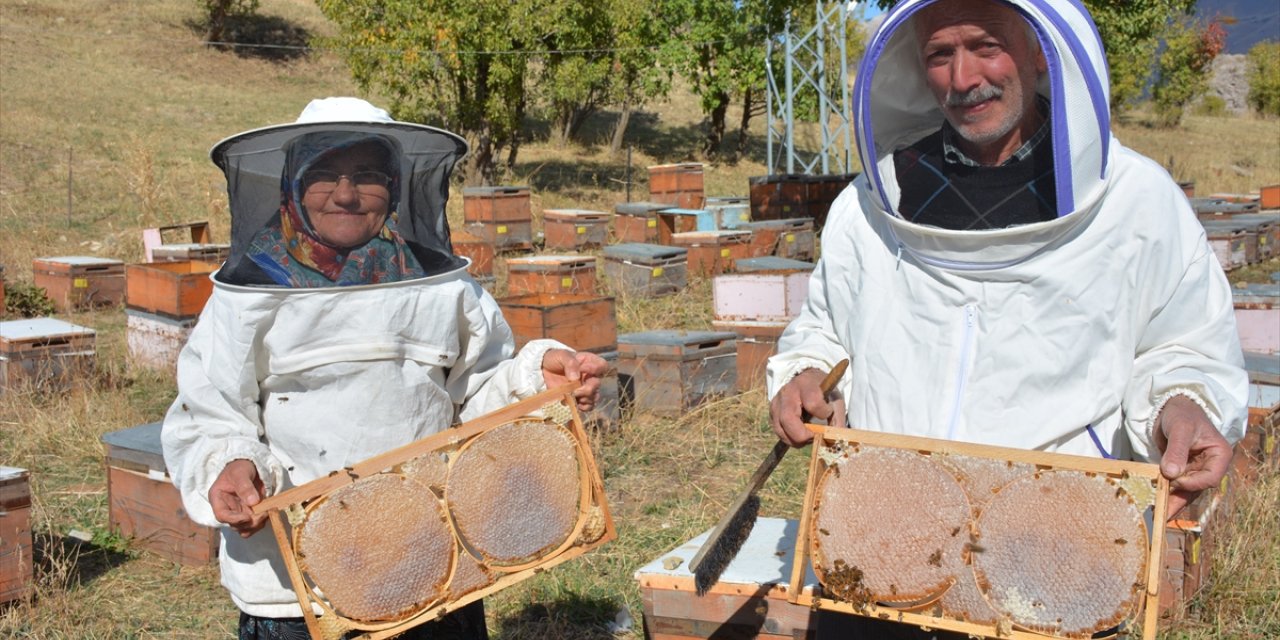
(419, 462)
(1138, 487)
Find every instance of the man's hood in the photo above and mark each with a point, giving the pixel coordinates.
(894, 108)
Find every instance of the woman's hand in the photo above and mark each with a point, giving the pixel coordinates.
(561, 366)
(233, 495)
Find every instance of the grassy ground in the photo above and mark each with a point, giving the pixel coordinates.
(107, 111)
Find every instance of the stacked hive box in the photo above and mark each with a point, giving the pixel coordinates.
(16, 577)
(1269, 197)
(1267, 228)
(757, 303)
(714, 252)
(791, 238)
(779, 196)
(552, 274)
(1257, 308)
(76, 283)
(575, 229)
(679, 185)
(668, 372)
(822, 191)
(501, 215)
(143, 503)
(1233, 243)
(196, 243)
(724, 215)
(163, 300)
(674, 220)
(749, 601)
(481, 253)
(214, 253)
(45, 352)
(646, 270)
(637, 222)
(585, 323)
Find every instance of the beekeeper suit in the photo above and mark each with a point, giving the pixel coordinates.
(1068, 331)
(312, 355)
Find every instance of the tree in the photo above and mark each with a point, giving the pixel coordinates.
(217, 13)
(1130, 34)
(1183, 67)
(575, 78)
(1264, 77)
(637, 76)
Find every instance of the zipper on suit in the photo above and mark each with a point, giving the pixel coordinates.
(970, 319)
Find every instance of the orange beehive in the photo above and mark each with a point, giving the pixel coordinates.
(16, 578)
(756, 342)
(792, 238)
(176, 290)
(1269, 197)
(552, 274)
(500, 215)
(480, 251)
(679, 185)
(714, 252)
(575, 228)
(75, 283)
(637, 222)
(585, 323)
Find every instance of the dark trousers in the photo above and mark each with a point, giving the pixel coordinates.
(466, 623)
(833, 625)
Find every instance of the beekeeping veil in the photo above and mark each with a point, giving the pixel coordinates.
(255, 161)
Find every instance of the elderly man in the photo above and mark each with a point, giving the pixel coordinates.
(1005, 271)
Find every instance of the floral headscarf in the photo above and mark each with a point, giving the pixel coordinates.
(291, 253)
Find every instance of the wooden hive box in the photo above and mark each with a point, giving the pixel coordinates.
(1268, 230)
(45, 352)
(575, 229)
(766, 289)
(749, 601)
(714, 252)
(756, 342)
(724, 215)
(214, 253)
(666, 372)
(637, 222)
(585, 323)
(76, 283)
(792, 238)
(16, 569)
(143, 504)
(679, 185)
(1187, 560)
(500, 215)
(677, 220)
(822, 191)
(552, 274)
(779, 196)
(646, 270)
(979, 540)
(175, 290)
(1269, 196)
(180, 242)
(1258, 451)
(154, 341)
(1257, 309)
(480, 251)
(1234, 244)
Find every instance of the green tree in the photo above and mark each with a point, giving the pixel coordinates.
(575, 75)
(1182, 72)
(1130, 34)
(1264, 77)
(637, 76)
(217, 14)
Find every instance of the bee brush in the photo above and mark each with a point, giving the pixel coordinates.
(735, 525)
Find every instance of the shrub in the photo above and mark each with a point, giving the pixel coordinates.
(1183, 67)
(218, 13)
(1264, 77)
(26, 300)
(1212, 105)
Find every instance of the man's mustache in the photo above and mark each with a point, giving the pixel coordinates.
(974, 96)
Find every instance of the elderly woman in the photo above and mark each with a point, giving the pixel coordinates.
(341, 326)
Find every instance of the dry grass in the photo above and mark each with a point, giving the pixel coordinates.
(134, 103)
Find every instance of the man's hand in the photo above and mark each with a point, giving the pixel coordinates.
(561, 366)
(1195, 455)
(803, 395)
(233, 494)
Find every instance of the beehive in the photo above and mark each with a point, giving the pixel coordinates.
(154, 342)
(791, 238)
(981, 540)
(637, 222)
(1257, 310)
(764, 290)
(76, 283)
(677, 220)
(756, 342)
(822, 191)
(779, 196)
(176, 290)
(668, 372)
(182, 242)
(679, 185)
(16, 577)
(478, 250)
(500, 215)
(575, 229)
(1269, 196)
(398, 539)
(1267, 228)
(607, 414)
(646, 270)
(1233, 243)
(586, 323)
(574, 274)
(714, 252)
(724, 215)
(45, 352)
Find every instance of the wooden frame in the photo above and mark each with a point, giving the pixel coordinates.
(556, 406)
(1148, 609)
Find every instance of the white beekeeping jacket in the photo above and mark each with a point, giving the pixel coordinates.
(1067, 335)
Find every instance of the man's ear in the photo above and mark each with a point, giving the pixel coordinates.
(1042, 65)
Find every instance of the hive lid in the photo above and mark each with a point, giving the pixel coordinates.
(639, 208)
(1257, 292)
(723, 200)
(694, 237)
(1225, 226)
(667, 337)
(781, 222)
(572, 214)
(684, 212)
(40, 328)
(684, 166)
(81, 261)
(12, 473)
(766, 557)
(533, 263)
(1273, 218)
(492, 191)
(774, 179)
(771, 263)
(641, 251)
(144, 438)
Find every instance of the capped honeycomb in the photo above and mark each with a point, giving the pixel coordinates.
(964, 601)
(514, 491)
(378, 549)
(468, 576)
(1063, 553)
(982, 477)
(890, 527)
(429, 470)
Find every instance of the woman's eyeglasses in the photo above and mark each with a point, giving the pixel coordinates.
(323, 181)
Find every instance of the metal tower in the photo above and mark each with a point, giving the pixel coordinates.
(805, 71)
